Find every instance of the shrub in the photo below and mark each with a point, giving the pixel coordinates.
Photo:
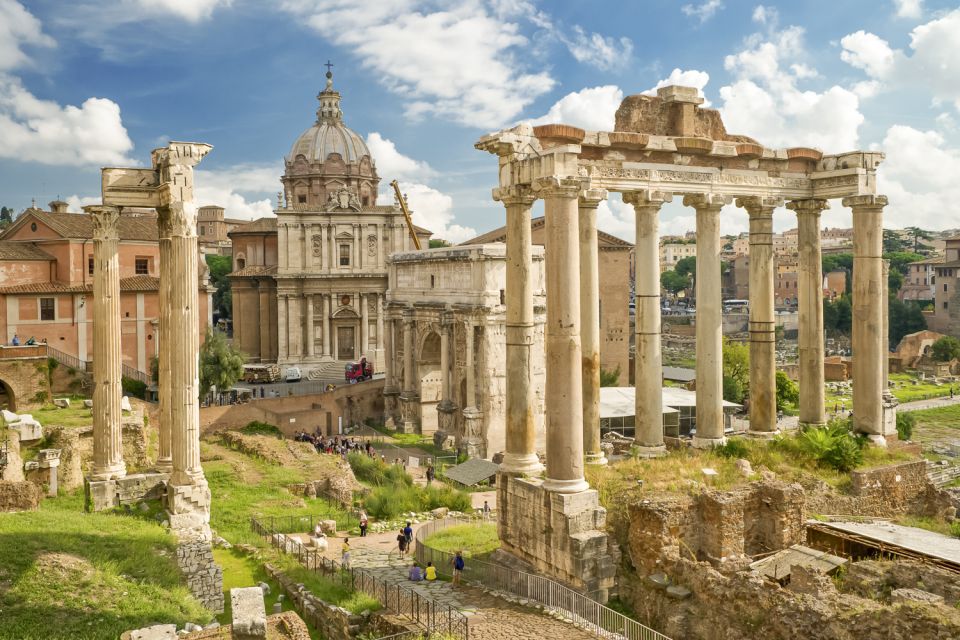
(787, 391)
(831, 446)
(845, 454)
(394, 493)
(905, 422)
(256, 428)
(733, 448)
(134, 387)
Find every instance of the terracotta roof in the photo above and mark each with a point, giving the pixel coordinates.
(954, 264)
(22, 251)
(254, 271)
(80, 225)
(260, 225)
(500, 235)
(135, 283)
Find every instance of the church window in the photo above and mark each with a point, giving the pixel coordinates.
(48, 309)
(142, 266)
(301, 199)
(241, 263)
(366, 201)
(90, 265)
(344, 255)
(203, 230)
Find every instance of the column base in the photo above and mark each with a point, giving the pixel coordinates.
(565, 486)
(707, 443)
(645, 451)
(763, 435)
(188, 507)
(877, 440)
(164, 465)
(526, 464)
(596, 458)
(110, 472)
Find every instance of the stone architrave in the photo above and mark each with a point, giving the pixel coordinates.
(709, 320)
(165, 453)
(564, 389)
(763, 338)
(107, 416)
(590, 199)
(648, 364)
(521, 454)
(869, 348)
(810, 306)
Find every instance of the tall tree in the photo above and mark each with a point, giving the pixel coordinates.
(945, 349)
(918, 235)
(220, 364)
(892, 242)
(905, 318)
(674, 282)
(220, 267)
(736, 370)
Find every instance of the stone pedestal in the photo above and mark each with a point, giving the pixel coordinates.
(249, 614)
(49, 459)
(810, 303)
(559, 534)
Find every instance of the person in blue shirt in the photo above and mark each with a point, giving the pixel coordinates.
(458, 566)
(408, 533)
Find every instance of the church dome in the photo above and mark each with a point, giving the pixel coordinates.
(328, 134)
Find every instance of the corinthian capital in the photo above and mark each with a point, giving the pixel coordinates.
(515, 194)
(558, 187)
(759, 205)
(706, 200)
(809, 206)
(106, 221)
(591, 198)
(177, 219)
(647, 198)
(865, 202)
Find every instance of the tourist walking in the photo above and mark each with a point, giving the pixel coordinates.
(486, 510)
(345, 554)
(458, 565)
(402, 543)
(430, 474)
(363, 524)
(408, 533)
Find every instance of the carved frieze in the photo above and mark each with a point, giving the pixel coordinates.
(317, 241)
(372, 246)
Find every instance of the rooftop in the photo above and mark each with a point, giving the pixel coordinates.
(500, 235)
(79, 226)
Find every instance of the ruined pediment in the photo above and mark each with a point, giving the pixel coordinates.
(674, 111)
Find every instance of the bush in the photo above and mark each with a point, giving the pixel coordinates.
(844, 454)
(905, 422)
(831, 446)
(256, 428)
(788, 393)
(394, 493)
(733, 448)
(134, 387)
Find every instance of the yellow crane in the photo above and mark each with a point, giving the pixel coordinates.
(406, 214)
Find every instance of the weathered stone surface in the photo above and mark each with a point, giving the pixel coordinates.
(19, 496)
(656, 116)
(155, 632)
(249, 614)
(107, 494)
(63, 403)
(203, 576)
(914, 595)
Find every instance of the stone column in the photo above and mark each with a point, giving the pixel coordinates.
(885, 329)
(709, 321)
(868, 341)
(107, 418)
(327, 350)
(445, 408)
(379, 321)
(364, 325)
(409, 397)
(281, 328)
(473, 441)
(564, 388)
(810, 307)
(590, 199)
(185, 343)
(165, 454)
(763, 334)
(390, 388)
(648, 365)
(521, 451)
(308, 307)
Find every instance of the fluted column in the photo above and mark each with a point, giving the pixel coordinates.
(165, 453)
(763, 336)
(282, 327)
(885, 328)
(810, 308)
(308, 305)
(364, 325)
(521, 454)
(648, 364)
(327, 344)
(709, 321)
(471, 374)
(446, 328)
(379, 320)
(107, 417)
(590, 199)
(868, 341)
(564, 390)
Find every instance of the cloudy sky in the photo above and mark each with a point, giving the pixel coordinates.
(94, 83)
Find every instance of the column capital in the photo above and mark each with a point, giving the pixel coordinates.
(558, 187)
(106, 221)
(591, 198)
(865, 202)
(759, 205)
(178, 219)
(812, 205)
(515, 194)
(647, 198)
(706, 200)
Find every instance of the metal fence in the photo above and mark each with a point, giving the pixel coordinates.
(134, 374)
(584, 612)
(69, 361)
(428, 614)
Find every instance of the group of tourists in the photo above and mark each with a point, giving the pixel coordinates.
(15, 342)
(429, 573)
(335, 445)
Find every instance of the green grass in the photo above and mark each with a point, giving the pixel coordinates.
(327, 587)
(473, 539)
(947, 417)
(74, 416)
(410, 441)
(261, 429)
(393, 491)
(69, 574)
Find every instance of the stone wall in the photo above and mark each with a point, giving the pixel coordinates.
(878, 578)
(13, 472)
(19, 496)
(203, 576)
(24, 371)
(129, 490)
(562, 535)
(882, 492)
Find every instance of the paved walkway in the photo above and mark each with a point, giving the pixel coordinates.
(933, 403)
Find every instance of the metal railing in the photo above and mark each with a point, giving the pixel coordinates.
(70, 361)
(582, 611)
(134, 374)
(426, 613)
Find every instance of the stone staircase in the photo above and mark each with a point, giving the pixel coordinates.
(328, 371)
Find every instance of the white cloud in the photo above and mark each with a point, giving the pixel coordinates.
(459, 63)
(431, 209)
(703, 11)
(592, 109)
(684, 78)
(189, 10)
(617, 218)
(934, 63)
(75, 203)
(764, 100)
(245, 191)
(766, 15)
(909, 8)
(19, 28)
(393, 164)
(43, 131)
(600, 51)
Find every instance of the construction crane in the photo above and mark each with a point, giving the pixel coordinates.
(406, 214)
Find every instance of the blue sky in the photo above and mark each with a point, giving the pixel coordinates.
(88, 84)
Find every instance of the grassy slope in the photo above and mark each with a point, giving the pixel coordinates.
(68, 574)
(940, 424)
(473, 540)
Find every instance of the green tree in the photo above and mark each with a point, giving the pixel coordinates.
(945, 349)
(220, 364)
(736, 370)
(838, 315)
(610, 378)
(905, 318)
(220, 267)
(6, 216)
(436, 243)
(918, 235)
(893, 242)
(686, 266)
(674, 282)
(788, 393)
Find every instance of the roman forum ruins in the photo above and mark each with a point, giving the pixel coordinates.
(662, 147)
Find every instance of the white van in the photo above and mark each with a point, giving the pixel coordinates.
(293, 374)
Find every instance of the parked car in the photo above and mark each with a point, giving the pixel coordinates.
(293, 374)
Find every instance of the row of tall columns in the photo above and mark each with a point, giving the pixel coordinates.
(107, 435)
(590, 199)
(869, 343)
(810, 311)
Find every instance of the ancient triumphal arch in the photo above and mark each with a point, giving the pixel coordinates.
(663, 146)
